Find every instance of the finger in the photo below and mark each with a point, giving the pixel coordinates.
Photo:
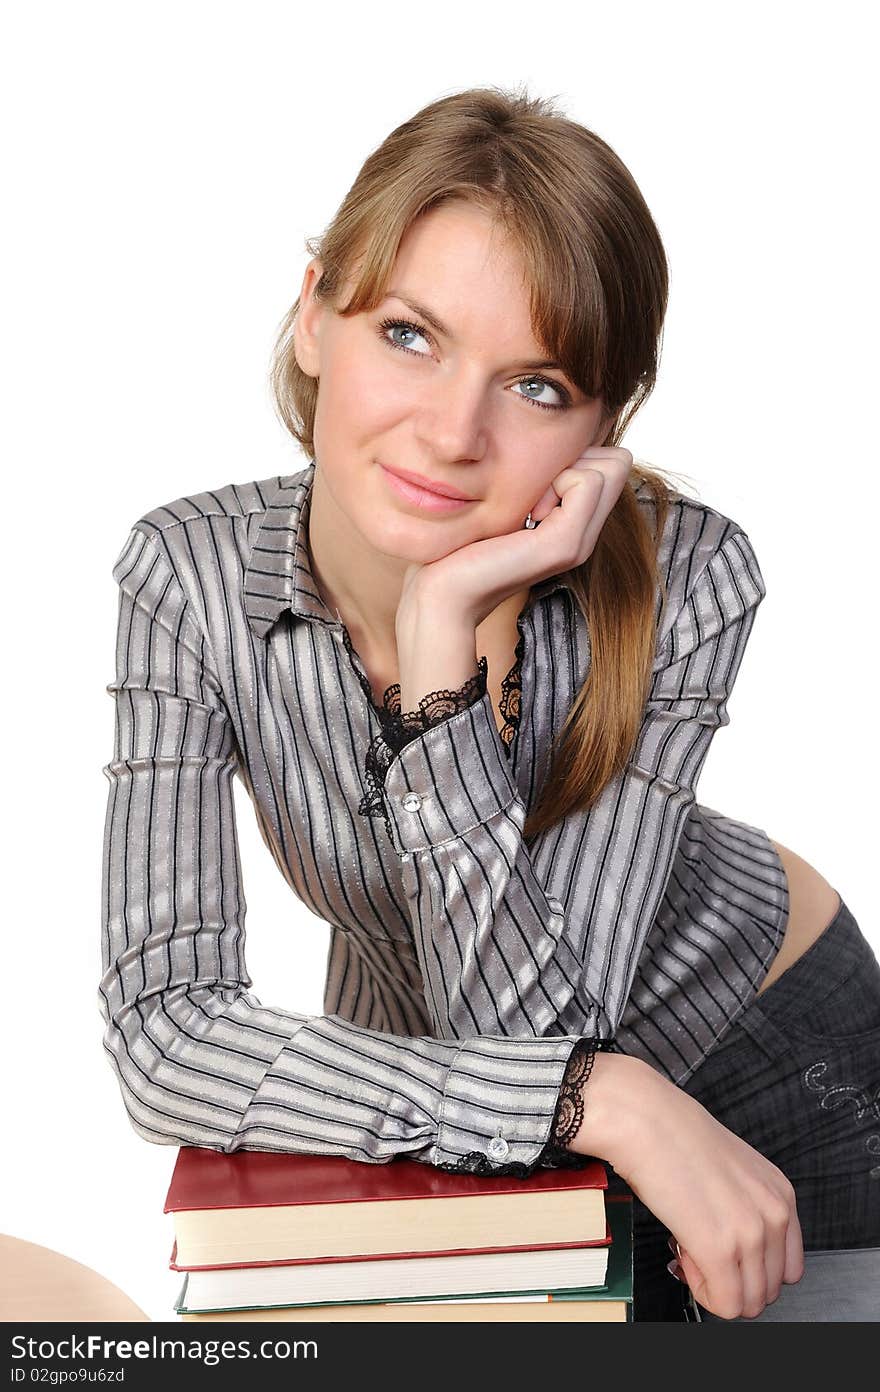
(774, 1266)
(753, 1272)
(612, 463)
(615, 453)
(615, 466)
(794, 1252)
(576, 476)
(614, 473)
(775, 1255)
(580, 492)
(548, 500)
(587, 496)
(720, 1291)
(694, 1278)
(591, 490)
(675, 1266)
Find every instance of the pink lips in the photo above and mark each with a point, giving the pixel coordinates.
(423, 498)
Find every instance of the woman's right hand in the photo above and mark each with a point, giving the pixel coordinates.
(732, 1212)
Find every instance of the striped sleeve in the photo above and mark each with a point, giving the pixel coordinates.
(515, 939)
(198, 1058)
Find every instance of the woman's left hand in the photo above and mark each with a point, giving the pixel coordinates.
(473, 580)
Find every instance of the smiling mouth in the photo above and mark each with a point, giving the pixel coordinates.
(421, 495)
(439, 490)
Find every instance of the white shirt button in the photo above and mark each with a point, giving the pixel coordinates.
(498, 1148)
(411, 801)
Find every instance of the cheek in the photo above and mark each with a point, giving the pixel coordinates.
(533, 456)
(358, 398)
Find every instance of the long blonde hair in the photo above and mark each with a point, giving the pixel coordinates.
(598, 295)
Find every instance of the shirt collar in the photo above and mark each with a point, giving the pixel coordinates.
(279, 573)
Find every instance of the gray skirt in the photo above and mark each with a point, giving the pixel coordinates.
(798, 1078)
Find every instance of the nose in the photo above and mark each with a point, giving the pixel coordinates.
(452, 422)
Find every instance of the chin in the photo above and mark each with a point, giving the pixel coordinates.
(403, 538)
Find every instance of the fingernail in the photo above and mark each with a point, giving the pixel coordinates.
(673, 1269)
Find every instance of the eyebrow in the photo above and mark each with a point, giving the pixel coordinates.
(440, 327)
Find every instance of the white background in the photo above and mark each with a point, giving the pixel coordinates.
(164, 164)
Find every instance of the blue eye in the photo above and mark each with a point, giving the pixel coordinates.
(388, 325)
(542, 382)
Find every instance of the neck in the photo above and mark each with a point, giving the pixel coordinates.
(355, 581)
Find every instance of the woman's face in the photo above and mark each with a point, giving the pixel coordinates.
(465, 404)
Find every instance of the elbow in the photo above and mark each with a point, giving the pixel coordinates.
(157, 1130)
(160, 1107)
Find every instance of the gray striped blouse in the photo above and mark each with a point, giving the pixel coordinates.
(463, 966)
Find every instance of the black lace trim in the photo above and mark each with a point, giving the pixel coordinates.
(570, 1106)
(510, 695)
(475, 1162)
(400, 727)
(566, 1123)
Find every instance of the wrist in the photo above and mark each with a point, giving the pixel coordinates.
(424, 604)
(616, 1106)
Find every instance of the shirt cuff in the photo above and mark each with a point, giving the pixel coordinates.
(499, 1104)
(449, 780)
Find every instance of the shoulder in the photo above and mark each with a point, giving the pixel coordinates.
(231, 500)
(694, 535)
(703, 556)
(229, 512)
(198, 546)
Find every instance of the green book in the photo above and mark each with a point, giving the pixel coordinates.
(619, 1281)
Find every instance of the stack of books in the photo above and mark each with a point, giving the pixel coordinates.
(265, 1236)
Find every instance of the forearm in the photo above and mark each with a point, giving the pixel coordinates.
(497, 953)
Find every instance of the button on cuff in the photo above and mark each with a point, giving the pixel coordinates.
(451, 779)
(500, 1099)
(498, 1148)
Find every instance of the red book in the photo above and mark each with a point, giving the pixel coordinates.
(256, 1208)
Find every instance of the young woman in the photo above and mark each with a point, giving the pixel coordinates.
(468, 663)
